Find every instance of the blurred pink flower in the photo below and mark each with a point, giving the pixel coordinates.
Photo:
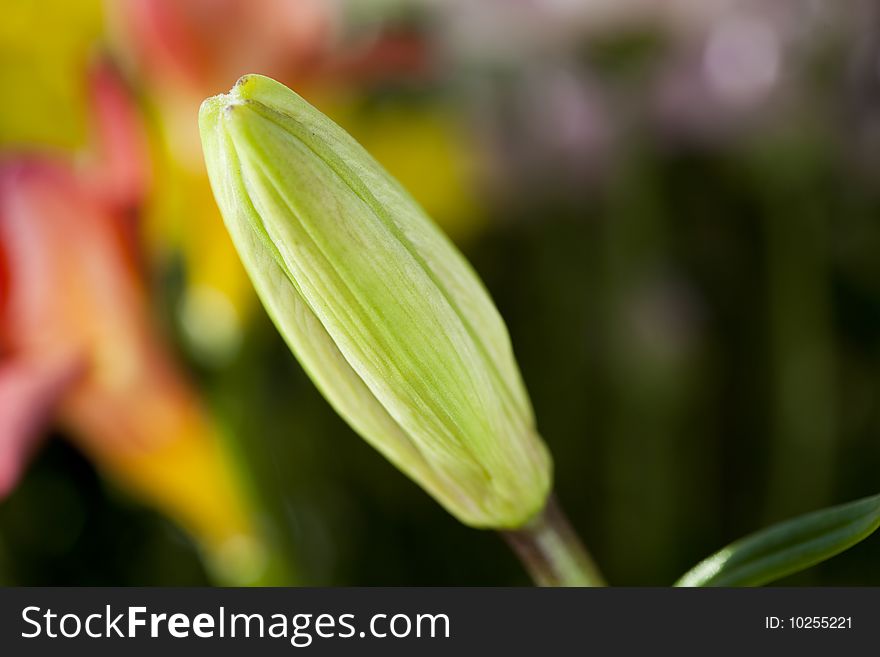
(203, 44)
(77, 339)
(201, 47)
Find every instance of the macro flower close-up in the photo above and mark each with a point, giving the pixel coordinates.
(305, 293)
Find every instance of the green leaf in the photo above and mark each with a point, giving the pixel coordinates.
(788, 547)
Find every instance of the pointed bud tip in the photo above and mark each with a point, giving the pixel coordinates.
(264, 96)
(244, 85)
(246, 90)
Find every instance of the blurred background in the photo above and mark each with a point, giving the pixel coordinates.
(676, 206)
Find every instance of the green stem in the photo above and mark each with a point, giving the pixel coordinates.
(551, 551)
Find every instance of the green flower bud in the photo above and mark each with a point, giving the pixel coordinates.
(384, 314)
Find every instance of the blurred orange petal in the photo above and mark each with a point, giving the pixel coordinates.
(202, 44)
(29, 390)
(73, 287)
(120, 168)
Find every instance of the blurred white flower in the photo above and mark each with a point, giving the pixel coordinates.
(742, 59)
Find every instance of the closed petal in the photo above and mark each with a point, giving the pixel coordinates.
(360, 281)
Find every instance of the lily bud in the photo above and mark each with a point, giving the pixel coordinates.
(382, 311)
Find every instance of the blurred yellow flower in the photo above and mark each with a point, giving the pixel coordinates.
(44, 49)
